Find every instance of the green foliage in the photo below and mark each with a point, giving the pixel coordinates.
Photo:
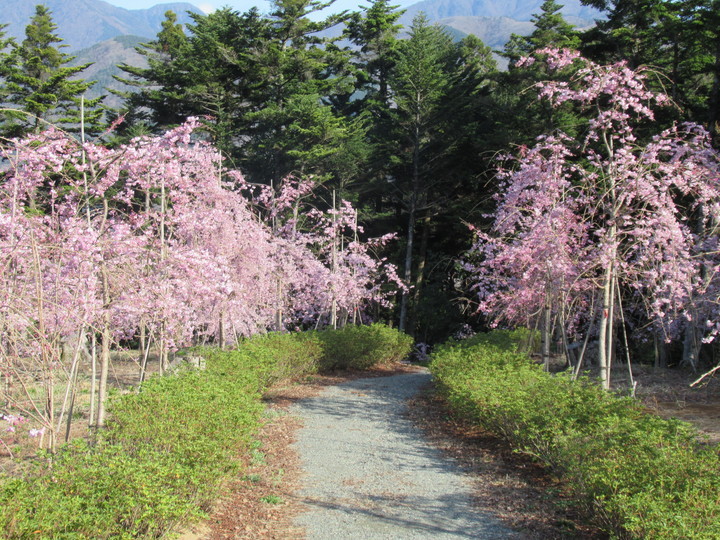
(101, 492)
(168, 447)
(681, 40)
(284, 356)
(551, 30)
(41, 85)
(261, 83)
(361, 347)
(641, 476)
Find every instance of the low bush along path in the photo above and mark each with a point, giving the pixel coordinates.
(372, 455)
(369, 473)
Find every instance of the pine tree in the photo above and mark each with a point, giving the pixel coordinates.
(158, 98)
(6, 60)
(263, 86)
(638, 31)
(551, 30)
(375, 33)
(520, 117)
(302, 74)
(431, 84)
(40, 83)
(709, 39)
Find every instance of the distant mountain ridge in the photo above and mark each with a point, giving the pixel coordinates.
(493, 31)
(105, 35)
(494, 21)
(105, 57)
(84, 23)
(519, 10)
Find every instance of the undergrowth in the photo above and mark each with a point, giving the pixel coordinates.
(168, 447)
(638, 475)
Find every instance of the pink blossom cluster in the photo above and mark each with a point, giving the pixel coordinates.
(343, 271)
(570, 213)
(12, 422)
(155, 234)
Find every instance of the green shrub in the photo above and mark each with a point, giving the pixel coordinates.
(167, 447)
(641, 476)
(289, 356)
(362, 347)
(101, 492)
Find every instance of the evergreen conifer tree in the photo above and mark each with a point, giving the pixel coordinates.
(551, 30)
(159, 98)
(40, 83)
(6, 60)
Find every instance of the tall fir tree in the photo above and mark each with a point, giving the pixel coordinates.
(551, 30)
(41, 85)
(433, 85)
(709, 22)
(375, 34)
(302, 73)
(6, 60)
(518, 115)
(637, 31)
(158, 95)
(262, 84)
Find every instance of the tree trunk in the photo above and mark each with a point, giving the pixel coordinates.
(221, 331)
(143, 338)
(660, 354)
(606, 328)
(46, 349)
(419, 276)
(143, 365)
(333, 307)
(407, 275)
(94, 381)
(279, 310)
(104, 348)
(714, 101)
(690, 347)
(104, 370)
(412, 210)
(163, 349)
(162, 342)
(547, 325)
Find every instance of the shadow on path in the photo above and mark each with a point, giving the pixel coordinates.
(370, 474)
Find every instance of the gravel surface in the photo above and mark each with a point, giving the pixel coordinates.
(370, 474)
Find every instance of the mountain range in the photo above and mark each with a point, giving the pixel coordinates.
(96, 31)
(493, 21)
(83, 23)
(519, 10)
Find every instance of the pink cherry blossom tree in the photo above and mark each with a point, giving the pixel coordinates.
(156, 238)
(587, 230)
(326, 272)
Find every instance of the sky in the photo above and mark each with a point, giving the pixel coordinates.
(243, 5)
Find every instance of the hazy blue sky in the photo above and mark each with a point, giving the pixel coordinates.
(243, 5)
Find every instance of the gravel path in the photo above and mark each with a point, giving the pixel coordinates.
(369, 473)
